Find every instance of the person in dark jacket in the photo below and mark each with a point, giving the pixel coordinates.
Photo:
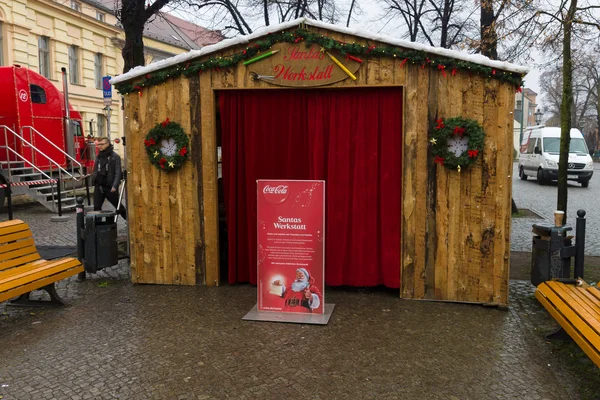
(107, 177)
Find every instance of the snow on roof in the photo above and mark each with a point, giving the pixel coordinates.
(243, 39)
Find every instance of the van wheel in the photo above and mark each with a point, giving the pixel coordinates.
(585, 183)
(540, 177)
(522, 174)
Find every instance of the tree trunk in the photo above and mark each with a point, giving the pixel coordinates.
(266, 12)
(350, 15)
(565, 111)
(133, 20)
(488, 30)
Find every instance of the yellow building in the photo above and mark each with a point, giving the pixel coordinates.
(83, 36)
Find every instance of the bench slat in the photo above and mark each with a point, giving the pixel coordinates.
(15, 226)
(38, 273)
(38, 284)
(24, 268)
(591, 351)
(589, 301)
(594, 292)
(573, 303)
(15, 236)
(15, 246)
(19, 261)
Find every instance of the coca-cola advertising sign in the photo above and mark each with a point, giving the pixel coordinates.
(300, 66)
(291, 246)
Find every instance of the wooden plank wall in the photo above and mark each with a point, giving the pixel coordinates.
(162, 208)
(455, 226)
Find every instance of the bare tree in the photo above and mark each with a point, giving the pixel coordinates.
(558, 25)
(133, 15)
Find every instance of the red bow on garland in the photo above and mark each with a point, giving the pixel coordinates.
(459, 131)
(165, 122)
(439, 160)
(150, 142)
(473, 153)
(162, 162)
(183, 151)
(440, 123)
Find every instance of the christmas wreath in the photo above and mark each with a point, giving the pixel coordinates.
(456, 142)
(167, 145)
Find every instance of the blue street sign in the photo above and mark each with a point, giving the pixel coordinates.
(107, 90)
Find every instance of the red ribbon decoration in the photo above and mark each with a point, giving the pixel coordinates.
(148, 76)
(473, 153)
(162, 162)
(493, 72)
(519, 89)
(150, 142)
(453, 71)
(439, 160)
(370, 49)
(349, 57)
(440, 123)
(442, 68)
(459, 131)
(298, 39)
(403, 62)
(183, 151)
(139, 89)
(165, 122)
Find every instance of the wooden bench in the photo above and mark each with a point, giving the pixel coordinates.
(576, 307)
(23, 270)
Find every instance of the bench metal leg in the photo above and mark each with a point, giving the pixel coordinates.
(560, 334)
(24, 299)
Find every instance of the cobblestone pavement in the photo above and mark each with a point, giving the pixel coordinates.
(117, 340)
(542, 200)
(124, 341)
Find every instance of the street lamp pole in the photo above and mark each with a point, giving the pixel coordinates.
(107, 111)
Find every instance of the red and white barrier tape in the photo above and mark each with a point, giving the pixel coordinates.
(29, 183)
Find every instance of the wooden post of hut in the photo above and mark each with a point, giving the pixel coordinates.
(414, 142)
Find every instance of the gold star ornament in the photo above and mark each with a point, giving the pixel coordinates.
(433, 140)
(156, 154)
(458, 169)
(171, 164)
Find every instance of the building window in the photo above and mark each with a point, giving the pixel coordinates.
(101, 125)
(44, 55)
(76, 5)
(519, 105)
(74, 64)
(98, 73)
(1, 45)
(100, 16)
(38, 94)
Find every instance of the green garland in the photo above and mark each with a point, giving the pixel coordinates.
(456, 127)
(440, 63)
(175, 138)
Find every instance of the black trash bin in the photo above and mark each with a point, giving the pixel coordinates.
(550, 253)
(100, 240)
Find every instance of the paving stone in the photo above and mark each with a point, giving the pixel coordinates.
(125, 341)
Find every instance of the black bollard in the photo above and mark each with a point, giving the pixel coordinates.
(87, 186)
(8, 192)
(579, 244)
(80, 231)
(58, 195)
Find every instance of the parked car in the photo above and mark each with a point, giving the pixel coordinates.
(540, 151)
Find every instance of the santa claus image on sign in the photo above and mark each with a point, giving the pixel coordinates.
(303, 295)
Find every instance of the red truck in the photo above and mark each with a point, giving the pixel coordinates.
(34, 108)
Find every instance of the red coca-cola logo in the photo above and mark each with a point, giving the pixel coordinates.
(275, 194)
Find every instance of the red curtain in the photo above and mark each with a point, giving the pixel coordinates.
(352, 139)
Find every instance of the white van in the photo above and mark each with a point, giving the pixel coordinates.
(540, 151)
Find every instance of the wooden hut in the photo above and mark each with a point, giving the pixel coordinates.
(447, 226)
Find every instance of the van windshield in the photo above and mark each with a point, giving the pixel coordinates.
(552, 146)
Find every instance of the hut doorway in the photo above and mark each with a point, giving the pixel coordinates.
(352, 139)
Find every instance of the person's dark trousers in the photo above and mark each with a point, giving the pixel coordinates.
(101, 193)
